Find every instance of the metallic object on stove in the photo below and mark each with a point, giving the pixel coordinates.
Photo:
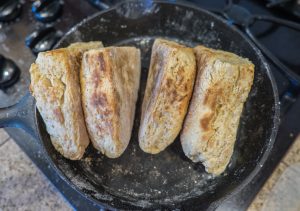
(47, 10)
(9, 72)
(103, 4)
(273, 3)
(290, 6)
(241, 17)
(104, 182)
(43, 39)
(9, 10)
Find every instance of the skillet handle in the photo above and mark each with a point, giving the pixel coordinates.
(20, 115)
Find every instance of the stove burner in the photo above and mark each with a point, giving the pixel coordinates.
(46, 10)
(290, 6)
(43, 39)
(241, 17)
(273, 3)
(103, 4)
(238, 15)
(9, 72)
(9, 10)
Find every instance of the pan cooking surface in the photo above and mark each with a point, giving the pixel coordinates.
(140, 180)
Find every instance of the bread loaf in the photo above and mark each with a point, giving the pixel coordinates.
(167, 95)
(110, 79)
(55, 86)
(222, 86)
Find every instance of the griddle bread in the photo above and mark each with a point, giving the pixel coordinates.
(110, 79)
(167, 95)
(55, 86)
(222, 86)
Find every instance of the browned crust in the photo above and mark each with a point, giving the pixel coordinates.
(100, 66)
(55, 85)
(168, 91)
(222, 86)
(109, 80)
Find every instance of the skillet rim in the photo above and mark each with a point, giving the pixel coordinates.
(276, 117)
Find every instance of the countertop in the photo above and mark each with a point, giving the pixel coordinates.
(282, 189)
(24, 187)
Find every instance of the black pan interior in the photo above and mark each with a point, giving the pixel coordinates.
(138, 180)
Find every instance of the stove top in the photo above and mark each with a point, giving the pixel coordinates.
(28, 27)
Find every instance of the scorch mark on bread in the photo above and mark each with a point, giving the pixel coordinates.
(110, 82)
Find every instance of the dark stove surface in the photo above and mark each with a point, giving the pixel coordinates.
(281, 41)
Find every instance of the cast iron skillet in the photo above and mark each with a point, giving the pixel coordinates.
(168, 180)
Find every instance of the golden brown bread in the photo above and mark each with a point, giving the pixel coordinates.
(55, 86)
(222, 86)
(110, 81)
(168, 91)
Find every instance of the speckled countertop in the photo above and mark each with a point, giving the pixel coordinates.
(282, 189)
(24, 187)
